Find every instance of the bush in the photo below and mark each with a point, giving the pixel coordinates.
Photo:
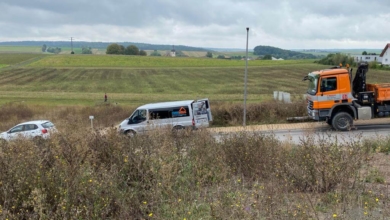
(99, 174)
(322, 167)
(263, 113)
(336, 59)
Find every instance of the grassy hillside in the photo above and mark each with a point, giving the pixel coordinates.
(7, 59)
(20, 49)
(134, 80)
(139, 61)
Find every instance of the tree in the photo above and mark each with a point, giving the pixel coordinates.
(113, 49)
(86, 50)
(209, 54)
(56, 50)
(131, 50)
(364, 53)
(155, 53)
(44, 47)
(142, 53)
(336, 59)
(121, 49)
(221, 57)
(267, 57)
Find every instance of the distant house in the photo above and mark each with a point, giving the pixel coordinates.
(383, 58)
(273, 58)
(385, 55)
(173, 51)
(367, 58)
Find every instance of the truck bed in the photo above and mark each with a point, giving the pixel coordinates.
(381, 90)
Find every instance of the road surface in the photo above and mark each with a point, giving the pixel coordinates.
(294, 132)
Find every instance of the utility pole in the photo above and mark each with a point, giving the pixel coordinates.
(71, 44)
(246, 75)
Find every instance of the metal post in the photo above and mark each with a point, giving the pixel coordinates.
(246, 74)
(91, 118)
(71, 43)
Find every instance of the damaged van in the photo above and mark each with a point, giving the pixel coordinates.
(177, 114)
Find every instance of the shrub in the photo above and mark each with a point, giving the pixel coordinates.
(263, 113)
(99, 174)
(321, 166)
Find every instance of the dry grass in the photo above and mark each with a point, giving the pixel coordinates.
(81, 174)
(107, 115)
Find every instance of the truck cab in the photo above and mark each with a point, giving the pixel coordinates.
(333, 96)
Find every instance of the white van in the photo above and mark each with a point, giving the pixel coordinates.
(178, 115)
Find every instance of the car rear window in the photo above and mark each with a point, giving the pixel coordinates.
(47, 124)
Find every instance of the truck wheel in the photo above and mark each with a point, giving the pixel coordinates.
(329, 121)
(342, 121)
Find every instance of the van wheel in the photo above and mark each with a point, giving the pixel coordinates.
(178, 130)
(130, 133)
(178, 127)
(342, 121)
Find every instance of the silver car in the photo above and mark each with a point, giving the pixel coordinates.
(30, 129)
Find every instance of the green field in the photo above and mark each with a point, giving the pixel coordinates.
(145, 62)
(20, 49)
(17, 58)
(133, 80)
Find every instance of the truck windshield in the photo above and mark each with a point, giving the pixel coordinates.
(312, 84)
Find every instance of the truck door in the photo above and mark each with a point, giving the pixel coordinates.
(202, 113)
(329, 94)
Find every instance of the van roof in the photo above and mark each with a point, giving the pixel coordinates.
(166, 104)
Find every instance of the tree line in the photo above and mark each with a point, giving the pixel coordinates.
(101, 45)
(337, 59)
(57, 50)
(120, 49)
(280, 53)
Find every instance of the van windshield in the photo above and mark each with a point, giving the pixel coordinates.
(138, 116)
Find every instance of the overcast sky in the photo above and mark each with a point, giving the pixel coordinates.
(289, 24)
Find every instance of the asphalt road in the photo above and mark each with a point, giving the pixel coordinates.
(360, 132)
(294, 133)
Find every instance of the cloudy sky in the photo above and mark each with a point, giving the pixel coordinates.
(288, 24)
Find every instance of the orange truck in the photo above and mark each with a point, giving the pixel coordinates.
(333, 96)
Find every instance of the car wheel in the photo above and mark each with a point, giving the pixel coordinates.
(2, 141)
(130, 133)
(342, 121)
(38, 139)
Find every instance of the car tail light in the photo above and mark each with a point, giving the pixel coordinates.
(193, 122)
(44, 131)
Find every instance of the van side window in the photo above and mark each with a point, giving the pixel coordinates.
(174, 112)
(159, 113)
(180, 112)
